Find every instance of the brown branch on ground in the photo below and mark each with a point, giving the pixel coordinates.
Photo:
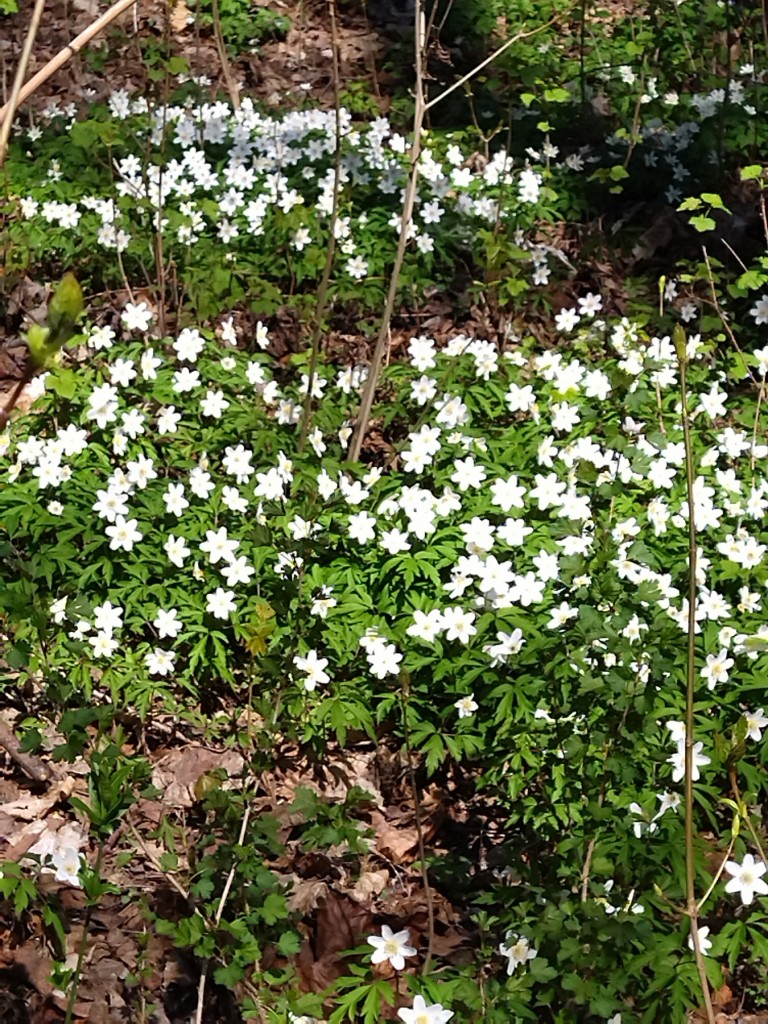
(29, 764)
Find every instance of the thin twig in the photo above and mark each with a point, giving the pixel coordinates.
(721, 314)
(488, 60)
(747, 819)
(21, 71)
(330, 253)
(10, 405)
(226, 70)
(718, 873)
(404, 695)
(217, 918)
(83, 946)
(29, 764)
(690, 693)
(382, 340)
(67, 53)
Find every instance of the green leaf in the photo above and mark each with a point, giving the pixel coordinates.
(703, 223)
(289, 943)
(752, 172)
(714, 201)
(62, 382)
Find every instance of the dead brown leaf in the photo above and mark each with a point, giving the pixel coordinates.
(176, 773)
(179, 17)
(369, 884)
(32, 808)
(395, 843)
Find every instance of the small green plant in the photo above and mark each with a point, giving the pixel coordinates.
(244, 25)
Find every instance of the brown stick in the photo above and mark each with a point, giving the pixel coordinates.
(330, 253)
(226, 70)
(690, 691)
(21, 71)
(366, 402)
(10, 405)
(31, 766)
(64, 55)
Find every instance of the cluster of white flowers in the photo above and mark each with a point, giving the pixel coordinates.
(274, 164)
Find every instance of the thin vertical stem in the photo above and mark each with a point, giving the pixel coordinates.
(382, 340)
(18, 81)
(322, 291)
(690, 876)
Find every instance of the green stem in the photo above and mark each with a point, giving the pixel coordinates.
(690, 877)
(83, 942)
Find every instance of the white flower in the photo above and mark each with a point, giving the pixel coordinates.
(103, 645)
(466, 706)
(237, 571)
(747, 878)
(218, 546)
(124, 533)
(108, 617)
(756, 722)
(189, 344)
(313, 668)
(168, 420)
(221, 603)
(149, 364)
(420, 1013)
(362, 527)
(392, 947)
(716, 669)
(185, 380)
(136, 317)
(103, 405)
(323, 603)
(458, 624)
(159, 662)
(760, 310)
(467, 473)
(177, 550)
(167, 624)
(214, 404)
(678, 761)
(394, 541)
(519, 952)
(356, 267)
(140, 472)
(122, 372)
(200, 482)
(237, 462)
(566, 319)
(232, 499)
(262, 336)
(269, 485)
(174, 499)
(507, 494)
(426, 625)
(110, 504)
(67, 864)
(384, 659)
(590, 304)
(101, 337)
(705, 944)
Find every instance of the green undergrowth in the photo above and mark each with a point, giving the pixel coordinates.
(498, 592)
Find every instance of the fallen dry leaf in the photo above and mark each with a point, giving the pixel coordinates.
(32, 808)
(176, 772)
(370, 883)
(180, 14)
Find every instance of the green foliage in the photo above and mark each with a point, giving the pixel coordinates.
(499, 591)
(244, 24)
